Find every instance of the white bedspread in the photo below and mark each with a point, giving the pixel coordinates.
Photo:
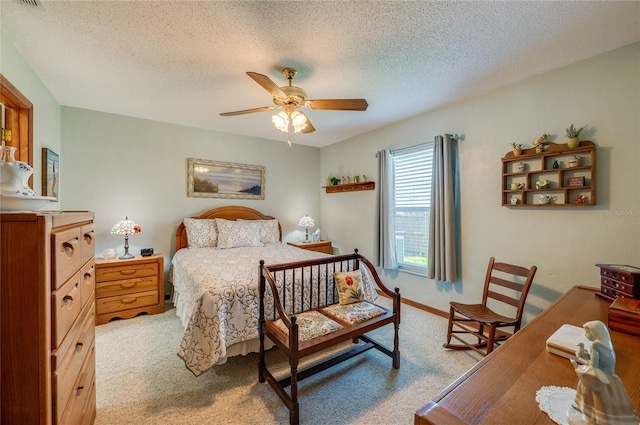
(216, 295)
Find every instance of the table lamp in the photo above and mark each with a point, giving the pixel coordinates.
(306, 222)
(125, 227)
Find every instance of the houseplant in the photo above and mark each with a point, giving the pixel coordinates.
(573, 135)
(517, 148)
(334, 181)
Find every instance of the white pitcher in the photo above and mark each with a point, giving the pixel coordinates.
(14, 175)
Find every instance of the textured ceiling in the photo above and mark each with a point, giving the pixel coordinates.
(184, 62)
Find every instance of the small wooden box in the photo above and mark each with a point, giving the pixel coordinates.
(619, 280)
(624, 316)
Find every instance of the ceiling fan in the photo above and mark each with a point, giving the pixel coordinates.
(290, 98)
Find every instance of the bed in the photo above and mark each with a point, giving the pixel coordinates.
(215, 273)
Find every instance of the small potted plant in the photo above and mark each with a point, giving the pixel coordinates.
(517, 148)
(573, 134)
(334, 181)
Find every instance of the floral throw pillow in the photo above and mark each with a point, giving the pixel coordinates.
(201, 233)
(269, 233)
(349, 287)
(235, 234)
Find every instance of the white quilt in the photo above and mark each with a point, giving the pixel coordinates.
(216, 295)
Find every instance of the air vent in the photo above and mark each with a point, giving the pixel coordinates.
(32, 3)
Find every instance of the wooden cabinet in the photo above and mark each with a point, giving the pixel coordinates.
(566, 183)
(126, 288)
(349, 187)
(322, 246)
(47, 318)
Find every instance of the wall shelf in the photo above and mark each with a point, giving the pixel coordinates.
(540, 166)
(349, 187)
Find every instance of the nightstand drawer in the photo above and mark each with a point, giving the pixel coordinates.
(127, 302)
(126, 271)
(126, 286)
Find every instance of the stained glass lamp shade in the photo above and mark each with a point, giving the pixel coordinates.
(306, 222)
(125, 227)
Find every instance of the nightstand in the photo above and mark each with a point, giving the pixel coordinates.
(322, 246)
(127, 288)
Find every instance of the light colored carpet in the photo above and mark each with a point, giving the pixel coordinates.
(141, 380)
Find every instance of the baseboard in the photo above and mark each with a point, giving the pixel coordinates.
(420, 306)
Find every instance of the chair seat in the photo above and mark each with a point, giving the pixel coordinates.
(481, 313)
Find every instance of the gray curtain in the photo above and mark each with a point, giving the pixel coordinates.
(385, 229)
(442, 226)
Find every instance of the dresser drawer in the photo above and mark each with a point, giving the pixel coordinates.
(69, 360)
(88, 281)
(81, 404)
(126, 272)
(66, 303)
(87, 242)
(66, 255)
(126, 302)
(126, 286)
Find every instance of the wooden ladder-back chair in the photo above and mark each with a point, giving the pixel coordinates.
(480, 321)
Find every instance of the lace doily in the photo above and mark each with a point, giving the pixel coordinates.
(555, 402)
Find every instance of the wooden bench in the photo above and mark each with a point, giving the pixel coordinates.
(305, 296)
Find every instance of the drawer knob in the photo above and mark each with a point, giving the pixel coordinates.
(128, 300)
(79, 347)
(69, 247)
(127, 272)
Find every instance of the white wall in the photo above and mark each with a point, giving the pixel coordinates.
(602, 93)
(120, 166)
(46, 110)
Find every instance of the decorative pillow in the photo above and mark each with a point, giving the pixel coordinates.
(349, 287)
(354, 313)
(234, 234)
(311, 324)
(201, 233)
(270, 233)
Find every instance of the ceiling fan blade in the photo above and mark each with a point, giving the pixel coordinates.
(249, 111)
(268, 85)
(309, 128)
(338, 104)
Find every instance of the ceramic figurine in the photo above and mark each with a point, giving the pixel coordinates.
(601, 398)
(521, 167)
(580, 199)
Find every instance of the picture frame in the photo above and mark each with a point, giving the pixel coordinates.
(50, 173)
(218, 179)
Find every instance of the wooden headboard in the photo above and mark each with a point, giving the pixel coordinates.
(227, 213)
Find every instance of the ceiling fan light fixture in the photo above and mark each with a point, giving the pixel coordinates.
(281, 121)
(299, 121)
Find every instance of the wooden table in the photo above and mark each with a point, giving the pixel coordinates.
(501, 389)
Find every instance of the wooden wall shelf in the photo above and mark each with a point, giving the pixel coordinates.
(540, 166)
(350, 187)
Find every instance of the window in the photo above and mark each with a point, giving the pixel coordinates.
(412, 186)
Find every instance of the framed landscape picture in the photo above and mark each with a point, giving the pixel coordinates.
(50, 173)
(215, 179)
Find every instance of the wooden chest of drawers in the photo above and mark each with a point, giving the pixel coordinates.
(126, 288)
(617, 280)
(47, 315)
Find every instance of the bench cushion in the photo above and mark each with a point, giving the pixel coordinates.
(311, 324)
(354, 313)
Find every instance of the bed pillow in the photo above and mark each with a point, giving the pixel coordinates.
(201, 233)
(236, 233)
(349, 287)
(270, 233)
